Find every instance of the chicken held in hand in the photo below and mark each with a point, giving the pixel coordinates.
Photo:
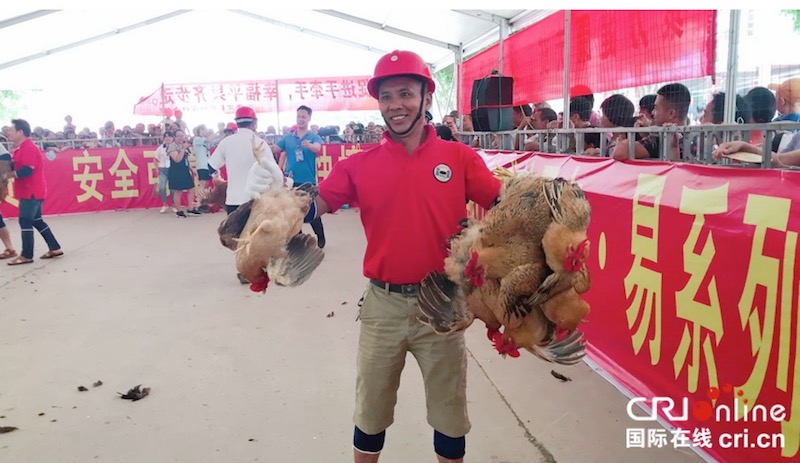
(497, 266)
(267, 230)
(271, 247)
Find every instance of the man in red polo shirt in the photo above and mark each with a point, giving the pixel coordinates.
(411, 190)
(31, 190)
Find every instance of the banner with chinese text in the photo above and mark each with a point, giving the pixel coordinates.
(106, 179)
(347, 93)
(695, 285)
(609, 50)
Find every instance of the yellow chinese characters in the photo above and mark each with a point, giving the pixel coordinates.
(324, 163)
(10, 199)
(776, 278)
(88, 177)
(703, 320)
(123, 183)
(643, 285)
(152, 167)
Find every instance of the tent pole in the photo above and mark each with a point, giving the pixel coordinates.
(459, 78)
(503, 34)
(730, 76)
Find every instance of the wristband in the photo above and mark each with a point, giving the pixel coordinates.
(312, 213)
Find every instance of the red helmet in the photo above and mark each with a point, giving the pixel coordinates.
(400, 63)
(232, 127)
(245, 114)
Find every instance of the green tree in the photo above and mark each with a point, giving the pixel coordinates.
(8, 105)
(445, 91)
(795, 14)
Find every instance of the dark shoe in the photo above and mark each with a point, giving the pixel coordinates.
(203, 209)
(194, 212)
(242, 279)
(181, 214)
(52, 254)
(321, 241)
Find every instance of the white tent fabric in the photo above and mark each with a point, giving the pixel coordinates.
(130, 57)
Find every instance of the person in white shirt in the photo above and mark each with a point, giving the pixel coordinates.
(162, 158)
(237, 153)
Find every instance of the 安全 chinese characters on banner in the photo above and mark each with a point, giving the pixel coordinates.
(347, 93)
(694, 299)
(105, 179)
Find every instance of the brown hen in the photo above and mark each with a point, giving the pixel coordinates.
(510, 270)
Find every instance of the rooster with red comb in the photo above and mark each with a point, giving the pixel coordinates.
(521, 269)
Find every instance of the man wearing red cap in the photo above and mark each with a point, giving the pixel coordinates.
(179, 120)
(237, 153)
(410, 190)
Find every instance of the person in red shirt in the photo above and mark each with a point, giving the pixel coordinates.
(411, 190)
(30, 188)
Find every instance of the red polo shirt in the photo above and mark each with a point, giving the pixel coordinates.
(410, 204)
(32, 186)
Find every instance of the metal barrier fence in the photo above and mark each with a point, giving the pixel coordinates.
(698, 141)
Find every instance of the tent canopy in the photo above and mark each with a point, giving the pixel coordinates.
(91, 61)
(435, 36)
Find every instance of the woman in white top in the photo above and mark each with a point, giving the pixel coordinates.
(163, 169)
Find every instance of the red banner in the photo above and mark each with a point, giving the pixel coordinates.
(106, 179)
(609, 50)
(264, 96)
(695, 285)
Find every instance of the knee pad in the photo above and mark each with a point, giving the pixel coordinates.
(368, 443)
(451, 448)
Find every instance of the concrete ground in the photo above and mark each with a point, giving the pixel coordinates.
(145, 298)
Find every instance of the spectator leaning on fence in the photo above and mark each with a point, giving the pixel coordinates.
(542, 117)
(789, 156)
(617, 111)
(646, 105)
(787, 95)
(763, 106)
(670, 109)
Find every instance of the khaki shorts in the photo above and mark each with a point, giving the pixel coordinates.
(389, 329)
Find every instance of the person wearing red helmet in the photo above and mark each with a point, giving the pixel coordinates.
(410, 190)
(179, 120)
(237, 152)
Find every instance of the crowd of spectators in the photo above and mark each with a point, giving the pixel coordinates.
(110, 136)
(668, 107)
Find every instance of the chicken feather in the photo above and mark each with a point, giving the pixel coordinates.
(509, 270)
(269, 248)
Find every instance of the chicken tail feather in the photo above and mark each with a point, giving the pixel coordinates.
(567, 351)
(442, 307)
